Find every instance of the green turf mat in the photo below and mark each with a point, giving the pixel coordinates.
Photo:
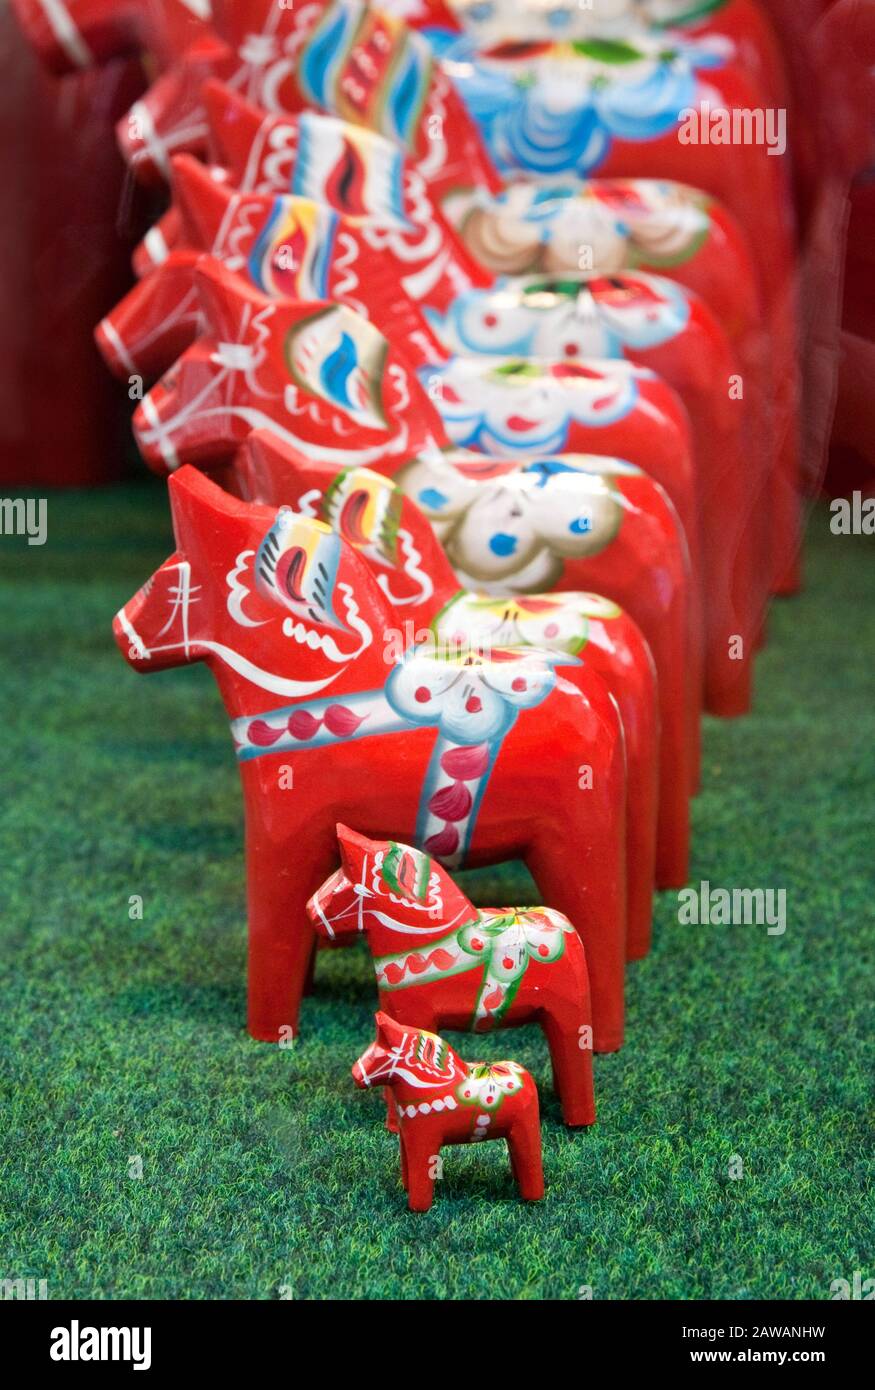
(264, 1169)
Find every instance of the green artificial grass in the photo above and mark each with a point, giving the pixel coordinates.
(264, 1169)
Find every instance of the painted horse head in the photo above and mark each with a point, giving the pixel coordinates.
(341, 58)
(356, 171)
(306, 651)
(394, 535)
(368, 510)
(316, 374)
(276, 603)
(287, 246)
(365, 177)
(408, 1057)
(390, 886)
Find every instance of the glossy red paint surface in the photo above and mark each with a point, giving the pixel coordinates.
(375, 517)
(754, 185)
(262, 151)
(357, 171)
(756, 189)
(442, 1100)
(441, 963)
(255, 45)
(258, 367)
(747, 24)
(666, 328)
(387, 746)
(62, 263)
(752, 179)
(74, 34)
(160, 315)
(288, 247)
(655, 225)
(204, 409)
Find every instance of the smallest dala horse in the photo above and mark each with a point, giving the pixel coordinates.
(443, 1100)
(440, 962)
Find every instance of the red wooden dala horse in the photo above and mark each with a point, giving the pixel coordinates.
(443, 1100)
(442, 963)
(473, 760)
(358, 172)
(374, 516)
(287, 246)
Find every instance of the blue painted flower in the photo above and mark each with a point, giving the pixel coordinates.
(510, 406)
(567, 318)
(556, 111)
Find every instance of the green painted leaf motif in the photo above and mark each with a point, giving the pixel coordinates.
(407, 871)
(479, 937)
(519, 369)
(612, 51)
(569, 289)
(688, 15)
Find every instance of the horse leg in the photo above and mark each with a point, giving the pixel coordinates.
(638, 710)
(571, 1060)
(281, 874)
(404, 1178)
(310, 978)
(679, 735)
(581, 871)
(730, 627)
(420, 1183)
(524, 1147)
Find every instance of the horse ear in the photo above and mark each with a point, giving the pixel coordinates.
(233, 125)
(271, 470)
(201, 200)
(224, 296)
(387, 1029)
(202, 510)
(353, 850)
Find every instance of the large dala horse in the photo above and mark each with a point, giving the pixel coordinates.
(374, 516)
